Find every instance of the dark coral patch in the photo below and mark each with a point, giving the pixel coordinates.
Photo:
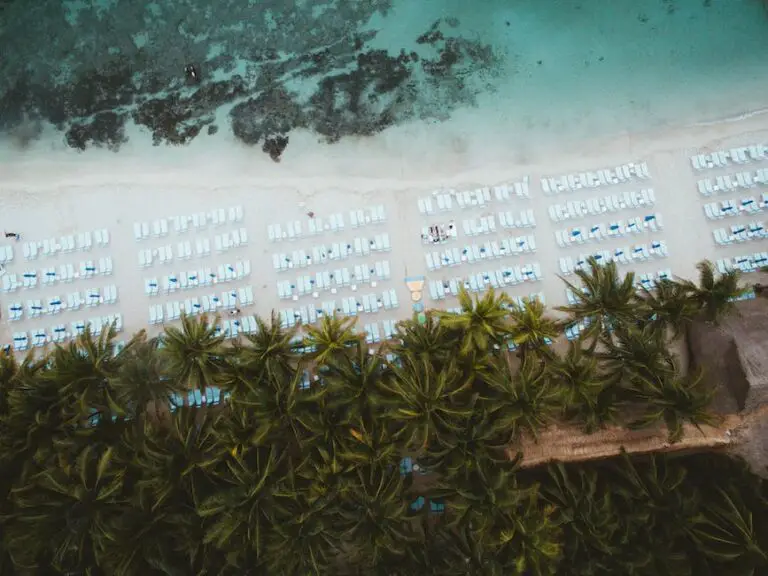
(104, 129)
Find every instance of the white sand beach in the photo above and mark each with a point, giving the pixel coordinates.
(49, 191)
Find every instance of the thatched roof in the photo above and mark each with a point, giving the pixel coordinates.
(734, 353)
(570, 444)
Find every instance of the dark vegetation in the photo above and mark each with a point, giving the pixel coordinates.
(300, 470)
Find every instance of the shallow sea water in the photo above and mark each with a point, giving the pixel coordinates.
(534, 70)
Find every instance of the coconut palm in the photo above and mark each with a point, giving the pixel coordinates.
(669, 306)
(193, 355)
(279, 410)
(475, 440)
(509, 521)
(726, 532)
(180, 461)
(352, 381)
(87, 368)
(603, 300)
(586, 509)
(523, 400)
(674, 400)
(240, 513)
(271, 350)
(481, 323)
(372, 514)
(304, 538)
(332, 337)
(531, 330)
(715, 294)
(430, 338)
(139, 384)
(638, 352)
(64, 514)
(423, 404)
(590, 393)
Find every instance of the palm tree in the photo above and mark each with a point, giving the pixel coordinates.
(423, 404)
(240, 513)
(508, 521)
(332, 337)
(638, 353)
(586, 509)
(430, 338)
(279, 410)
(523, 399)
(674, 400)
(139, 385)
(64, 514)
(726, 532)
(372, 514)
(476, 440)
(481, 324)
(353, 381)
(271, 350)
(179, 462)
(194, 355)
(304, 538)
(87, 368)
(531, 330)
(715, 294)
(604, 300)
(669, 306)
(590, 393)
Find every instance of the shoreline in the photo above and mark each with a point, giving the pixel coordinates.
(67, 193)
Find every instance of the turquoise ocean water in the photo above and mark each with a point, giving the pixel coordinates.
(546, 70)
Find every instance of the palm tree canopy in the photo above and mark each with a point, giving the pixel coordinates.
(481, 323)
(715, 294)
(604, 299)
(194, 354)
(531, 329)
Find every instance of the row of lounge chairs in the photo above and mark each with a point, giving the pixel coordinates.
(731, 182)
(598, 232)
(514, 301)
(480, 252)
(745, 263)
(199, 220)
(49, 276)
(333, 280)
(724, 158)
(747, 205)
(165, 254)
(293, 230)
(480, 281)
(198, 278)
(55, 304)
(349, 306)
(207, 304)
(600, 205)
(604, 177)
(524, 219)
(59, 333)
(6, 254)
(84, 241)
(740, 233)
(480, 197)
(479, 226)
(623, 255)
(323, 254)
